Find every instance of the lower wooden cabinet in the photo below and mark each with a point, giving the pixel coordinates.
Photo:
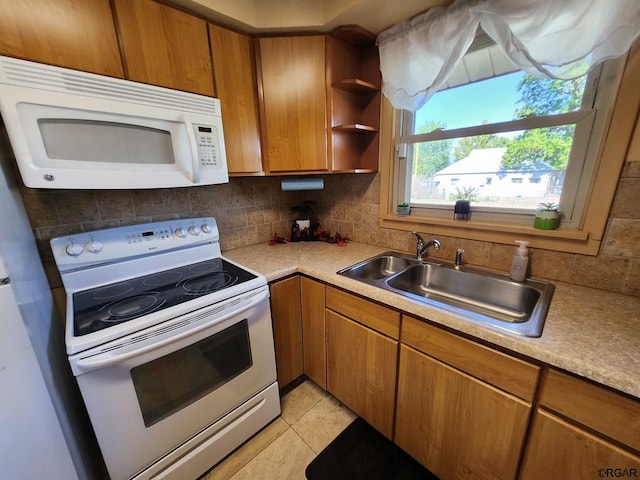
(460, 408)
(361, 370)
(456, 425)
(559, 449)
(313, 331)
(581, 428)
(287, 329)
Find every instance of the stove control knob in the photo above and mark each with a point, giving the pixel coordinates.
(93, 246)
(206, 228)
(180, 232)
(193, 230)
(74, 250)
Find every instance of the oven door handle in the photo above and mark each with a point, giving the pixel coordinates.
(111, 357)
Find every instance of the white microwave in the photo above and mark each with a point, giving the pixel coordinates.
(78, 130)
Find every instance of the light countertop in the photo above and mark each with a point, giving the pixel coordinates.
(592, 333)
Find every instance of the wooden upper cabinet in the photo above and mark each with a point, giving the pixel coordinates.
(164, 46)
(293, 101)
(235, 79)
(77, 34)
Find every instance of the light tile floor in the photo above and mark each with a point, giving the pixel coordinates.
(311, 418)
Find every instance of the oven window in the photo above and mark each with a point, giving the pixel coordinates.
(172, 382)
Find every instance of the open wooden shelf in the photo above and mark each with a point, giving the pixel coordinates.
(353, 68)
(356, 86)
(355, 128)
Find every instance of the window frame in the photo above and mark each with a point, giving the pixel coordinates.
(596, 197)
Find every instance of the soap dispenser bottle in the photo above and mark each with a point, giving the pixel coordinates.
(520, 262)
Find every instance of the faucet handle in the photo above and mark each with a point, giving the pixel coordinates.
(457, 264)
(418, 236)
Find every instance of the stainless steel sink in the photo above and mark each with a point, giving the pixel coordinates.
(379, 267)
(475, 294)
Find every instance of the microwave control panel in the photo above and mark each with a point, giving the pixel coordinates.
(207, 141)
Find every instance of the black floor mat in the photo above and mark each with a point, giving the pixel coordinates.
(361, 453)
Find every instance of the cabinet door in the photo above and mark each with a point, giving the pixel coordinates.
(235, 78)
(558, 449)
(287, 329)
(313, 331)
(77, 34)
(164, 46)
(361, 370)
(292, 73)
(456, 425)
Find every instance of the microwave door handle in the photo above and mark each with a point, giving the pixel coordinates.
(195, 161)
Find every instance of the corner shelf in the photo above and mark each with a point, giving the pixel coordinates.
(356, 86)
(353, 70)
(355, 128)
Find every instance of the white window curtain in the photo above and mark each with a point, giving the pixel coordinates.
(558, 39)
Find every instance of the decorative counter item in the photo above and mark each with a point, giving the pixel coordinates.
(403, 209)
(462, 208)
(547, 217)
(318, 234)
(302, 223)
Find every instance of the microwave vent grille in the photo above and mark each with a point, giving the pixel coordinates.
(34, 75)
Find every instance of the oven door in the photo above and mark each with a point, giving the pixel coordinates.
(149, 392)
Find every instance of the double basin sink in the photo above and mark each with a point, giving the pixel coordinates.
(476, 295)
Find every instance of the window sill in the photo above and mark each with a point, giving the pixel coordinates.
(562, 239)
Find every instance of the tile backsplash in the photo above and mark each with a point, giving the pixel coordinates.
(250, 210)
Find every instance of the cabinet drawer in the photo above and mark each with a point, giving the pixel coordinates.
(496, 368)
(375, 316)
(607, 412)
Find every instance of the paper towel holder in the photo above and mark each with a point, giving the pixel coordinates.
(302, 183)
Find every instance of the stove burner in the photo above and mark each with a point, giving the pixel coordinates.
(205, 267)
(112, 291)
(208, 283)
(132, 307)
(162, 278)
(105, 306)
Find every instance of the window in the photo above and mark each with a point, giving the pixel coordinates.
(507, 140)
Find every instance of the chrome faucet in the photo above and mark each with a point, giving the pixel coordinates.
(422, 247)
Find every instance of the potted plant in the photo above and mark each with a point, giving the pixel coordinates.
(403, 209)
(547, 216)
(464, 197)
